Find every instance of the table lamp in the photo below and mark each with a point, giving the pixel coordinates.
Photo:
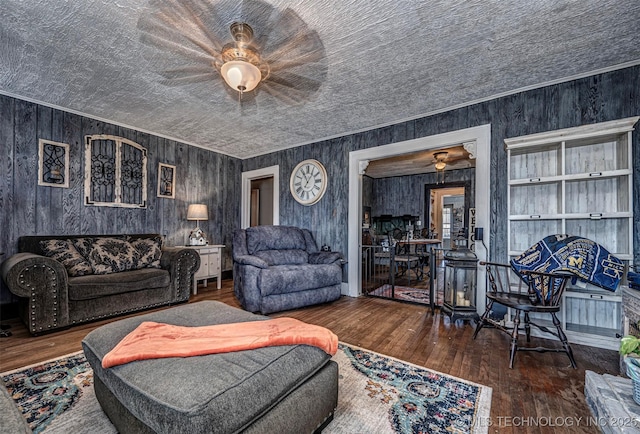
(197, 212)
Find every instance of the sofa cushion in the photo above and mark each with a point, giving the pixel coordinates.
(284, 257)
(108, 255)
(281, 279)
(149, 251)
(261, 238)
(94, 286)
(64, 252)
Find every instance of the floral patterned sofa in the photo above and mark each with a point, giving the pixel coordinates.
(66, 280)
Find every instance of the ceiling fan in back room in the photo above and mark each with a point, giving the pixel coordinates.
(251, 45)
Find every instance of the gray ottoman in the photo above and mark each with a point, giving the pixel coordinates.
(286, 389)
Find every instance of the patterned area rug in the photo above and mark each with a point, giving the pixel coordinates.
(404, 293)
(376, 394)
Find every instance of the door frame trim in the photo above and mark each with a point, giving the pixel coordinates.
(245, 203)
(358, 161)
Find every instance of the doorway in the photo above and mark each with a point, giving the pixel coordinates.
(261, 206)
(478, 137)
(260, 197)
(453, 199)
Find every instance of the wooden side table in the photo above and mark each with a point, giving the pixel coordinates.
(210, 264)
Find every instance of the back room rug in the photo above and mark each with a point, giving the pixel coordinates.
(377, 394)
(405, 293)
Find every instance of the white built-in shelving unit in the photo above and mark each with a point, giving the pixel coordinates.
(576, 181)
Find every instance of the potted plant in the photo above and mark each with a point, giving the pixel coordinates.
(630, 349)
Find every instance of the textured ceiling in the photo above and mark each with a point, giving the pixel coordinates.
(386, 61)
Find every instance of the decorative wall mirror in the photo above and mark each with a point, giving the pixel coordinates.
(446, 210)
(115, 172)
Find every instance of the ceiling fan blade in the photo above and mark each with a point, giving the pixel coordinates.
(291, 89)
(289, 96)
(187, 71)
(181, 81)
(295, 81)
(296, 43)
(177, 25)
(279, 64)
(194, 32)
(176, 48)
(189, 74)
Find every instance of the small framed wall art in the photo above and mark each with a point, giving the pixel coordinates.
(53, 164)
(166, 180)
(366, 217)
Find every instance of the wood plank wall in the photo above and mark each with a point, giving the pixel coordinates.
(211, 178)
(597, 98)
(26, 208)
(400, 195)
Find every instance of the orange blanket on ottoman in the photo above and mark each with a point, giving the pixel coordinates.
(152, 340)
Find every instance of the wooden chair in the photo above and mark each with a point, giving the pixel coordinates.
(541, 294)
(423, 251)
(403, 259)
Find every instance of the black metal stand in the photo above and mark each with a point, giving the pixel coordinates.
(457, 313)
(4, 331)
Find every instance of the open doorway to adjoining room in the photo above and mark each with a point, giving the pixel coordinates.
(261, 212)
(260, 202)
(447, 211)
(478, 138)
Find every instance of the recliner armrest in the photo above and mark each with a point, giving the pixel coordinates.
(251, 260)
(324, 257)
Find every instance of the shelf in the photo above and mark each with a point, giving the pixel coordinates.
(597, 154)
(535, 199)
(592, 291)
(612, 233)
(598, 195)
(576, 181)
(541, 162)
(592, 330)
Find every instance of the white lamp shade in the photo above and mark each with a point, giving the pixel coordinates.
(240, 75)
(197, 211)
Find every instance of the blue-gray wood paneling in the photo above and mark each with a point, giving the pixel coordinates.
(26, 208)
(598, 98)
(400, 195)
(207, 177)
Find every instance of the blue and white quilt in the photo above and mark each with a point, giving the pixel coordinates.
(586, 259)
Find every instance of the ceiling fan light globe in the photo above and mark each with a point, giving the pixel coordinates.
(440, 165)
(240, 75)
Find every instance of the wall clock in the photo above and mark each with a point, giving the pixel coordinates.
(308, 182)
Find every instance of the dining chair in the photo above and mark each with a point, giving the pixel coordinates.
(536, 292)
(403, 259)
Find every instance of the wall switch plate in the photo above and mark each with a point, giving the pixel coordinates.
(479, 233)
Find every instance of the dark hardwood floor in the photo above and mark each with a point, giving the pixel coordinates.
(541, 385)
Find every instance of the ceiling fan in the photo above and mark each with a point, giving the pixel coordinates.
(440, 160)
(251, 45)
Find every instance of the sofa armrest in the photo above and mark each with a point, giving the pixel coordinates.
(251, 260)
(324, 258)
(43, 282)
(182, 263)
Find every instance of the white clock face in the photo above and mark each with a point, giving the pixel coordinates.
(308, 182)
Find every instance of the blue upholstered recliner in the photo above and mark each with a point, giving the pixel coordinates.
(278, 268)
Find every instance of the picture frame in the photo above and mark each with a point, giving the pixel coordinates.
(366, 217)
(166, 181)
(53, 164)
